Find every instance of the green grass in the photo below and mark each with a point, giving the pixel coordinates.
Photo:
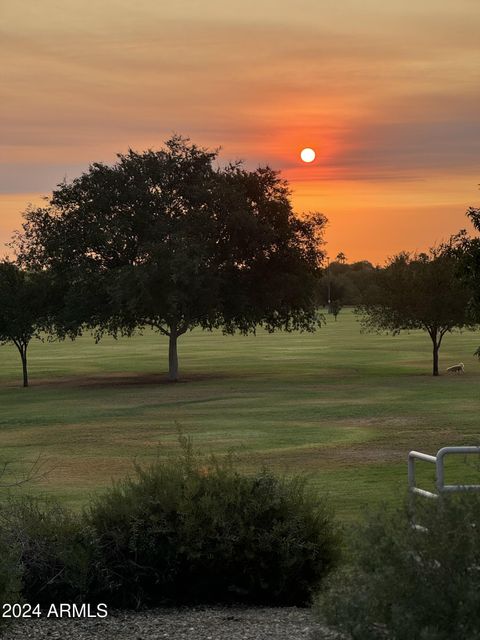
(344, 407)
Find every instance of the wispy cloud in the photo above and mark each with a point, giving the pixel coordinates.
(386, 92)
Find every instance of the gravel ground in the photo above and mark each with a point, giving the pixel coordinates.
(200, 623)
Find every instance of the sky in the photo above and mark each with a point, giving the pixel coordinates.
(387, 93)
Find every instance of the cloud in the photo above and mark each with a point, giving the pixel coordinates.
(39, 177)
(386, 91)
(414, 148)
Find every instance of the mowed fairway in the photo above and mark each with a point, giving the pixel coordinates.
(341, 406)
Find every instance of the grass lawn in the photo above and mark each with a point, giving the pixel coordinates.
(344, 407)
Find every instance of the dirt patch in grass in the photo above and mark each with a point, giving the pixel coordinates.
(362, 454)
(107, 380)
(85, 471)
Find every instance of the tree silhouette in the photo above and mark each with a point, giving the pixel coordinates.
(164, 239)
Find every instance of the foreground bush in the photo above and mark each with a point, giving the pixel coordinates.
(184, 531)
(10, 571)
(405, 584)
(56, 551)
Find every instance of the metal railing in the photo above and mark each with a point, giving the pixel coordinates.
(438, 461)
(441, 487)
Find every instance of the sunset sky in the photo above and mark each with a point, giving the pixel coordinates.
(387, 93)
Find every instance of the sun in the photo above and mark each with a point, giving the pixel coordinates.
(307, 154)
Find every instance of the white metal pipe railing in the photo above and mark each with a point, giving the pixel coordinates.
(438, 461)
(442, 488)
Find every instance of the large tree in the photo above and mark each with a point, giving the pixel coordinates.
(25, 308)
(469, 268)
(166, 239)
(419, 292)
(470, 258)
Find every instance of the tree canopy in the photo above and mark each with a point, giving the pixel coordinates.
(470, 258)
(419, 291)
(469, 268)
(166, 239)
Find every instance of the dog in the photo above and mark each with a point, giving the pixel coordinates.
(456, 368)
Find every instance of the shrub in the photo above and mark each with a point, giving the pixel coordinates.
(187, 531)
(10, 571)
(56, 550)
(406, 584)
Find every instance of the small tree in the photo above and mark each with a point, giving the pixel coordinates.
(419, 292)
(25, 304)
(335, 308)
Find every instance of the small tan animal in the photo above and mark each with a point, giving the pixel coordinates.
(456, 368)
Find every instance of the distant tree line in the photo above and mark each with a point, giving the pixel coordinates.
(346, 284)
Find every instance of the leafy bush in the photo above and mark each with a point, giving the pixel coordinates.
(406, 584)
(56, 550)
(187, 531)
(9, 576)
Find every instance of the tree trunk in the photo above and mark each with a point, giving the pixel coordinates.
(436, 347)
(172, 355)
(436, 334)
(435, 359)
(22, 348)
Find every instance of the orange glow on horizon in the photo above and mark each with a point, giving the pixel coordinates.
(358, 214)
